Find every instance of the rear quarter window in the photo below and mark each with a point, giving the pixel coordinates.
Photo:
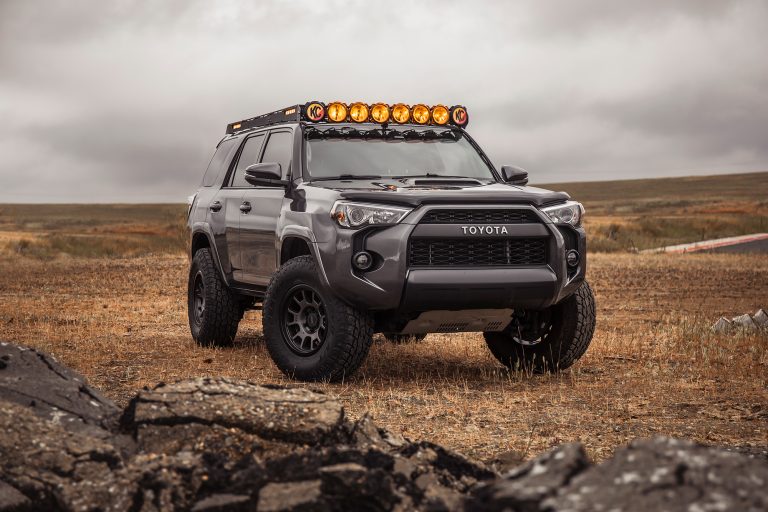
(220, 161)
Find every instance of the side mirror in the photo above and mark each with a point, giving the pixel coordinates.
(265, 173)
(514, 175)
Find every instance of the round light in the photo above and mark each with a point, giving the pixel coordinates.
(459, 116)
(421, 114)
(380, 113)
(358, 112)
(572, 258)
(401, 113)
(315, 111)
(363, 260)
(439, 114)
(337, 112)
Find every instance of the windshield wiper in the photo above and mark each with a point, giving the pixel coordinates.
(348, 177)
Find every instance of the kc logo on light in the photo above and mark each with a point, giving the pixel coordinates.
(315, 111)
(459, 116)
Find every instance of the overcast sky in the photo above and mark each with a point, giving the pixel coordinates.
(109, 101)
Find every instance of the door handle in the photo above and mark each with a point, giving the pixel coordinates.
(215, 206)
(245, 207)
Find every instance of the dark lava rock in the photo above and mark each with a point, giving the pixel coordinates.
(38, 382)
(12, 499)
(296, 415)
(217, 444)
(525, 487)
(667, 474)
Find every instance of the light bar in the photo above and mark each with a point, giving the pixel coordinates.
(381, 113)
(358, 112)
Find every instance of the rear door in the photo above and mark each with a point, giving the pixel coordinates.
(219, 202)
(262, 204)
(234, 200)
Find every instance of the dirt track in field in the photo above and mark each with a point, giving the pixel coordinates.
(653, 368)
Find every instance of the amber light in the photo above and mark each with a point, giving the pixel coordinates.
(380, 113)
(401, 113)
(337, 112)
(358, 112)
(439, 114)
(420, 114)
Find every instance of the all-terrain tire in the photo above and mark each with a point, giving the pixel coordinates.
(216, 324)
(346, 341)
(573, 325)
(401, 339)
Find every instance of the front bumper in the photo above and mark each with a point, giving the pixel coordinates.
(392, 286)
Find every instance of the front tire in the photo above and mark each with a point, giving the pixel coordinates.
(552, 340)
(214, 311)
(311, 335)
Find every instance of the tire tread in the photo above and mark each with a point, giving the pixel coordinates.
(223, 311)
(353, 332)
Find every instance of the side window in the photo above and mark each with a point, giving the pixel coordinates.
(220, 158)
(279, 149)
(248, 156)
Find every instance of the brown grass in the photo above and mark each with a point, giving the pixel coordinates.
(653, 368)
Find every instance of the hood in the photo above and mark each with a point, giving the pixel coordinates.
(436, 190)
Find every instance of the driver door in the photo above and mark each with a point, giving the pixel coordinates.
(261, 211)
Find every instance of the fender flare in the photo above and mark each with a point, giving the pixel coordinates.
(204, 229)
(308, 236)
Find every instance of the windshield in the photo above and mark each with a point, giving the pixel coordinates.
(393, 153)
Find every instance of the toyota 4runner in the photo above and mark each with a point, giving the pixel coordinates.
(342, 220)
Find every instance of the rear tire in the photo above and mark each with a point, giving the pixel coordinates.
(401, 339)
(311, 334)
(214, 311)
(570, 328)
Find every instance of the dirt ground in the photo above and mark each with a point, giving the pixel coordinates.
(653, 367)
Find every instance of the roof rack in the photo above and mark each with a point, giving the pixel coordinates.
(338, 112)
(287, 114)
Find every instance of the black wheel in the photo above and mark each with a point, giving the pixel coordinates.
(214, 311)
(401, 339)
(548, 340)
(310, 334)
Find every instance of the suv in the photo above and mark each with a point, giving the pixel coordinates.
(340, 221)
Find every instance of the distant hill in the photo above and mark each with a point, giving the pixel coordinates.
(742, 186)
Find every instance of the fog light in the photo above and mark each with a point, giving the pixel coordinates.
(363, 260)
(572, 258)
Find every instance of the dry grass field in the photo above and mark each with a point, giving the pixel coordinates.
(111, 302)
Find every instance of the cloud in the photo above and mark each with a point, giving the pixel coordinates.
(124, 101)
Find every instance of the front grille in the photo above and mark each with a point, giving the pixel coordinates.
(480, 216)
(426, 252)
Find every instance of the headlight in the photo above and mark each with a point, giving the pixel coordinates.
(570, 212)
(354, 215)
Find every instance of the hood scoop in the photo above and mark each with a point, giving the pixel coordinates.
(441, 182)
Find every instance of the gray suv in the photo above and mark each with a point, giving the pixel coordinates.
(342, 220)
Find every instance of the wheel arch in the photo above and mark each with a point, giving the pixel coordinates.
(298, 241)
(293, 246)
(202, 239)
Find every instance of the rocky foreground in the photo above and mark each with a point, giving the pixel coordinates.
(217, 444)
